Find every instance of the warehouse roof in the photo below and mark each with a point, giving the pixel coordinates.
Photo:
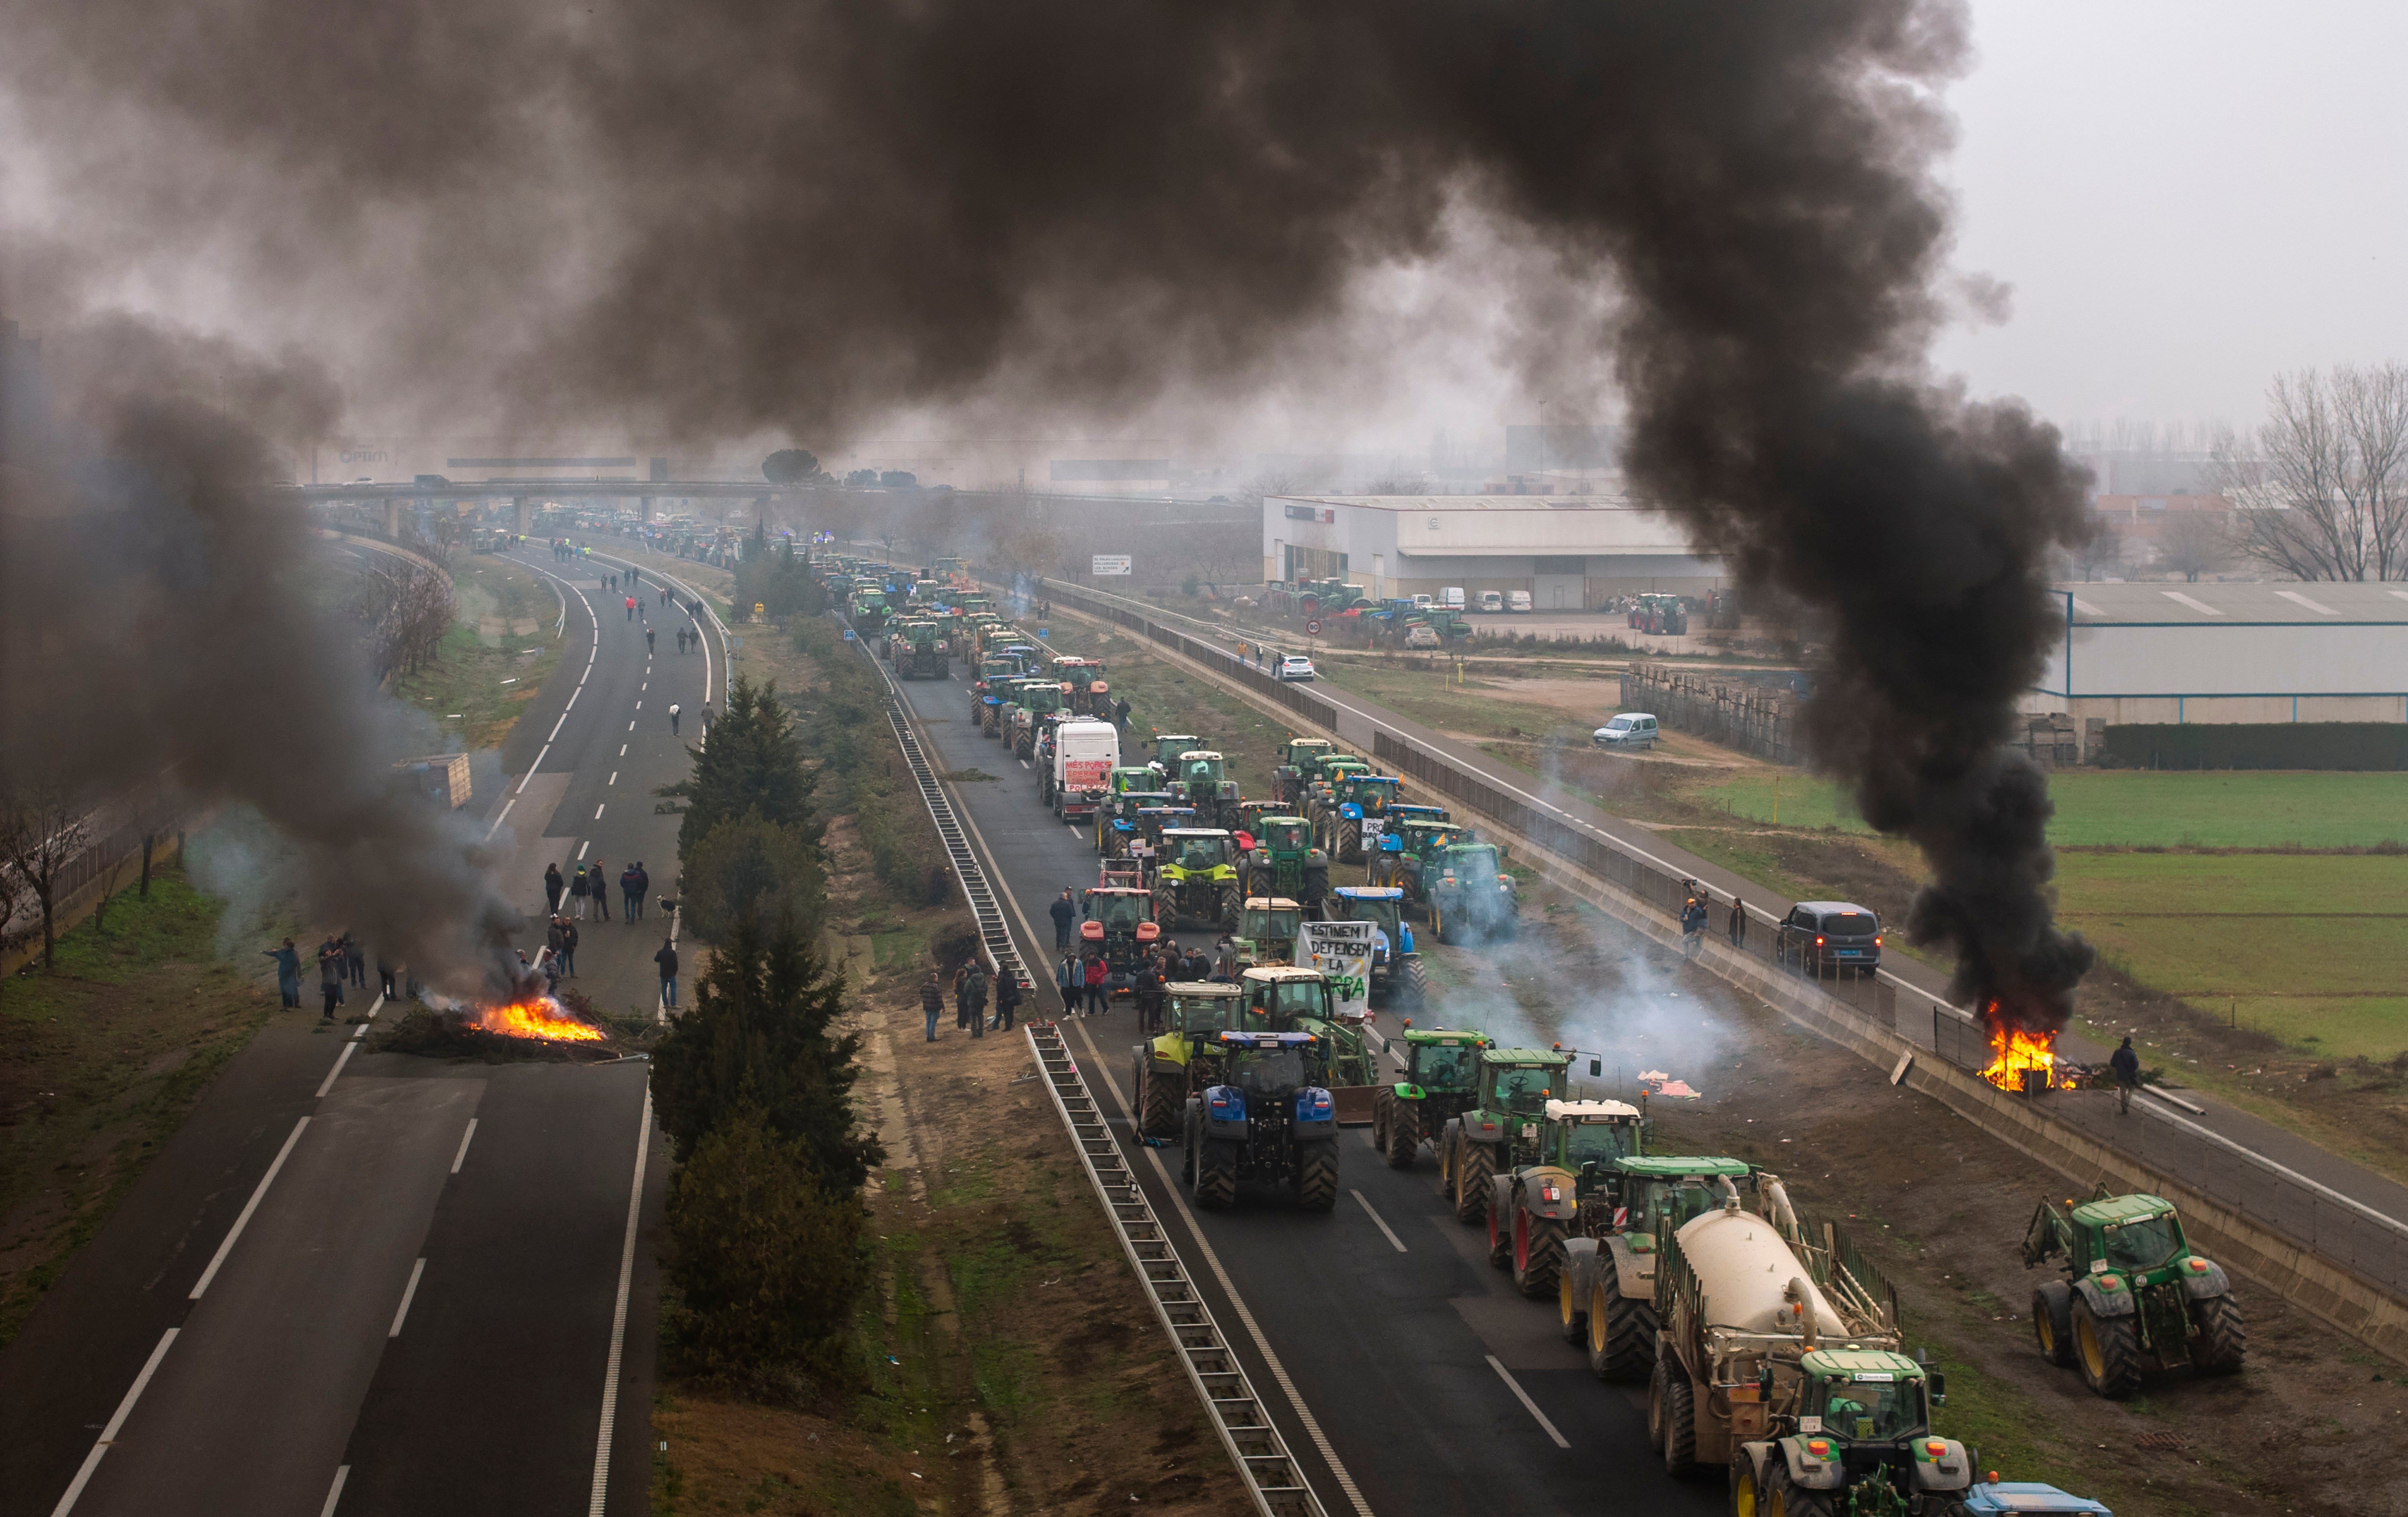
(2319, 603)
(1475, 525)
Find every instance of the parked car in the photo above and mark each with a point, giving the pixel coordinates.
(1491, 601)
(1423, 603)
(1518, 600)
(1422, 634)
(1451, 597)
(1819, 935)
(1631, 729)
(1296, 666)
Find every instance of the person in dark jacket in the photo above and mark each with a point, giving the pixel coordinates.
(976, 988)
(1738, 922)
(579, 887)
(355, 959)
(1065, 913)
(600, 887)
(287, 971)
(1070, 980)
(932, 999)
(385, 976)
(568, 948)
(643, 886)
(666, 960)
(1007, 1000)
(330, 968)
(962, 998)
(628, 893)
(2127, 1066)
(552, 885)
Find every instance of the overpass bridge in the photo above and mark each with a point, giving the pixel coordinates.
(425, 490)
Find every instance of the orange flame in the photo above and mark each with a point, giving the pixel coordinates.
(2015, 1051)
(540, 1018)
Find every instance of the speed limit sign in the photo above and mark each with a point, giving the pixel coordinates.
(1313, 627)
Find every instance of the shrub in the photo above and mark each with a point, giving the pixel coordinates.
(753, 867)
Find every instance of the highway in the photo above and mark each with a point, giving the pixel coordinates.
(1411, 1356)
(363, 1282)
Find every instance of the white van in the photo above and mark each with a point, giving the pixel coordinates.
(1423, 603)
(1080, 768)
(1631, 729)
(1491, 601)
(1451, 597)
(1518, 601)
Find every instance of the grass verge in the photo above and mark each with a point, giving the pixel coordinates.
(495, 658)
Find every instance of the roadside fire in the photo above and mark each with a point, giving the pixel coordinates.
(2021, 1061)
(539, 1018)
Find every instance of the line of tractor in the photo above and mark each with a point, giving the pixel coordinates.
(1770, 1345)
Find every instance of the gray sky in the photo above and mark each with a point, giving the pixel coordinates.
(2187, 198)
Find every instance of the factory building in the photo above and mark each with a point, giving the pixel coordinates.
(2143, 652)
(1570, 553)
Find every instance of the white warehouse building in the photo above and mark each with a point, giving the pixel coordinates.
(2319, 652)
(1570, 553)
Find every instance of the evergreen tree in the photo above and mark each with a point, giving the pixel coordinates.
(752, 763)
(759, 1031)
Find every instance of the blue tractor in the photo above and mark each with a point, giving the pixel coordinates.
(1271, 1118)
(1399, 977)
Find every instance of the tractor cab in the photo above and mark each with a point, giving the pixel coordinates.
(1397, 969)
(1278, 995)
(1119, 922)
(1196, 872)
(1168, 746)
(1587, 1138)
(1470, 895)
(1443, 1061)
(1396, 814)
(1298, 761)
(1860, 1396)
(1187, 1057)
(1291, 998)
(1267, 928)
(1514, 1086)
(1119, 820)
(1285, 861)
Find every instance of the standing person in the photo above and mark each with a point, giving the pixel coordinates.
(555, 939)
(962, 998)
(1738, 922)
(681, 641)
(384, 976)
(673, 719)
(1121, 713)
(1149, 994)
(330, 968)
(631, 607)
(600, 889)
(665, 594)
(568, 948)
(552, 885)
(1070, 981)
(1006, 998)
(628, 893)
(976, 987)
(705, 707)
(332, 990)
(578, 888)
(355, 959)
(648, 640)
(932, 999)
(1063, 911)
(1097, 998)
(2127, 1066)
(666, 960)
(1693, 926)
(643, 887)
(287, 971)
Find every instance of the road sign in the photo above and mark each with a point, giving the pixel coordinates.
(759, 610)
(1313, 628)
(1111, 564)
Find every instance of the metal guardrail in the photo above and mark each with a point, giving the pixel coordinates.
(1271, 1476)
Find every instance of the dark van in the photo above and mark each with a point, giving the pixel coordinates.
(1829, 936)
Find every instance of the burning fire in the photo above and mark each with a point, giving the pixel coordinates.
(539, 1018)
(2016, 1052)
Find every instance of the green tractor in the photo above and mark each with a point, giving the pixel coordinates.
(1267, 928)
(2133, 1291)
(1398, 976)
(1195, 876)
(1499, 1132)
(1357, 807)
(1201, 777)
(1320, 798)
(1299, 762)
(1850, 1437)
(1186, 1059)
(1035, 705)
(1271, 1117)
(1607, 1295)
(1534, 1208)
(1285, 862)
(867, 609)
(920, 651)
(1473, 899)
(1408, 855)
(1126, 789)
(1168, 746)
(1441, 1066)
(1293, 998)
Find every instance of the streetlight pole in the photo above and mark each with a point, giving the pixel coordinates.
(1542, 447)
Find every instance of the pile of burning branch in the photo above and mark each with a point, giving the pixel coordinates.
(534, 1026)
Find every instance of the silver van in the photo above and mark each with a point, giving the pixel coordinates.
(1631, 729)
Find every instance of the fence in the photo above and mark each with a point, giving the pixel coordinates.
(1756, 719)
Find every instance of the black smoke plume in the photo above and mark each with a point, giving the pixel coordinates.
(721, 217)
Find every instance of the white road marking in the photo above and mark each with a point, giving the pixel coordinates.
(342, 1473)
(619, 1316)
(582, 848)
(622, 749)
(572, 698)
(646, 686)
(503, 812)
(598, 812)
(462, 1157)
(109, 1434)
(557, 726)
(409, 1294)
(1023, 763)
(1382, 1222)
(615, 777)
(1527, 1404)
(538, 763)
(631, 726)
(342, 1059)
(257, 1195)
(359, 1032)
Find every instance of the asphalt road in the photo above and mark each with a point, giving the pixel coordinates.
(1402, 1352)
(331, 1292)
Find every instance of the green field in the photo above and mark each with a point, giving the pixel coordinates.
(2136, 808)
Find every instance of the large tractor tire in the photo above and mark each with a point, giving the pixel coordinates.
(1383, 1101)
(1437, 924)
(1788, 1497)
(1745, 1499)
(1473, 1164)
(2223, 1338)
(1316, 1177)
(1500, 1240)
(1538, 1253)
(1232, 902)
(1672, 1418)
(1216, 1175)
(2052, 1316)
(1621, 1331)
(1404, 1134)
(1415, 992)
(2107, 1350)
(1158, 1102)
(1571, 1308)
(1350, 841)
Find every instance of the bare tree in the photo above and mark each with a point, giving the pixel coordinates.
(44, 825)
(2103, 556)
(2322, 487)
(403, 614)
(2194, 543)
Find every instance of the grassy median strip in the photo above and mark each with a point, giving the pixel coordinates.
(499, 651)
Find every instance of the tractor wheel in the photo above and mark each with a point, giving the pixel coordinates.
(1404, 1134)
(1157, 1102)
(1316, 1178)
(1745, 1499)
(1216, 1175)
(1231, 903)
(1438, 924)
(1349, 842)
(2051, 1315)
(1473, 1164)
(1621, 1331)
(2108, 1349)
(1500, 1240)
(1383, 1101)
(1538, 1253)
(2223, 1338)
(1446, 1165)
(1416, 983)
(1673, 1417)
(1571, 1308)
(1784, 1498)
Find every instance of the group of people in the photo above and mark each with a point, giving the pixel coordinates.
(342, 965)
(972, 988)
(591, 885)
(558, 960)
(1696, 912)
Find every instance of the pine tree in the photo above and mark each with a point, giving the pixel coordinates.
(751, 763)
